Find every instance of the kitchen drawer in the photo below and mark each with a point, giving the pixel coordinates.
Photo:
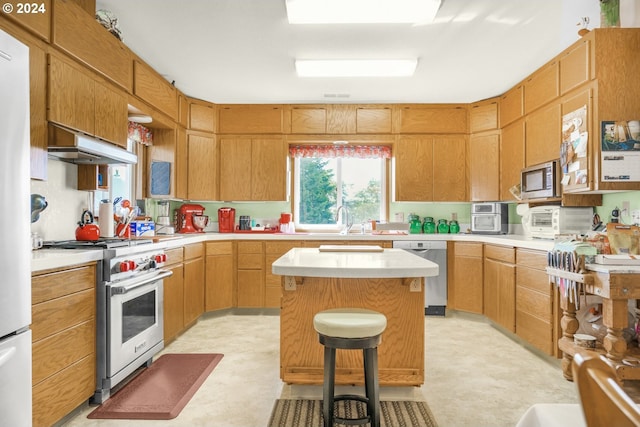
(280, 248)
(60, 350)
(174, 256)
(535, 303)
(63, 392)
(249, 247)
(55, 284)
(61, 313)
(531, 258)
(533, 279)
(220, 248)
(195, 250)
(468, 249)
(535, 331)
(500, 253)
(249, 261)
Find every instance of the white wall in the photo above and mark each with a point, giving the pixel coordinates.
(59, 220)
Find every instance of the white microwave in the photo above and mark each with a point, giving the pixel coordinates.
(546, 222)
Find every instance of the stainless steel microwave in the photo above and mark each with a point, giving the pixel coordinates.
(489, 218)
(541, 181)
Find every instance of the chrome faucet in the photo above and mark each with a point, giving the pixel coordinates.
(348, 224)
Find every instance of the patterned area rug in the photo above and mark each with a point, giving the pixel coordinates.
(161, 391)
(308, 413)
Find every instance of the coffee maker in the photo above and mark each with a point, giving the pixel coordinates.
(226, 220)
(189, 218)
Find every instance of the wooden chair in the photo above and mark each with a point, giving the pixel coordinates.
(604, 402)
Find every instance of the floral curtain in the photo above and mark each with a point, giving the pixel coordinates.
(359, 151)
(140, 134)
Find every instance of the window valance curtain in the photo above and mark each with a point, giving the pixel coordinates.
(140, 134)
(359, 151)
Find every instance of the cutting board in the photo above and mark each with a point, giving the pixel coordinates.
(352, 248)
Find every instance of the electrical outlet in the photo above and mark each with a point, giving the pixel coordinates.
(635, 216)
(415, 286)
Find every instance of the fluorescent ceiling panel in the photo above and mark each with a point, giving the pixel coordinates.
(361, 11)
(356, 67)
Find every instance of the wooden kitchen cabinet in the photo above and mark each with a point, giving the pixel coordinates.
(543, 135)
(174, 295)
(499, 285)
(154, 89)
(251, 119)
(254, 169)
(484, 166)
(194, 282)
(202, 166)
(374, 119)
(202, 116)
(430, 168)
(182, 163)
(308, 119)
(38, 24)
(537, 319)
(220, 277)
(511, 157)
(77, 33)
(93, 177)
(511, 105)
(483, 116)
(81, 102)
(273, 282)
(63, 332)
(465, 273)
(440, 118)
(250, 274)
(575, 66)
(542, 87)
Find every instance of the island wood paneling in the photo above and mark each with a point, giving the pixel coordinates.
(400, 355)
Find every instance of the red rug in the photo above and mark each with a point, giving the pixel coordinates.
(161, 391)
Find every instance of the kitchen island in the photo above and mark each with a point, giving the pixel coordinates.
(389, 281)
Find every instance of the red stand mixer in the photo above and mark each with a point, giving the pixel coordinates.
(190, 219)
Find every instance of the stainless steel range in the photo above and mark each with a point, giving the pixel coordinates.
(129, 315)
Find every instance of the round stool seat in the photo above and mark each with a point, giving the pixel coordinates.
(349, 323)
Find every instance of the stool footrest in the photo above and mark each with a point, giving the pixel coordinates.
(351, 421)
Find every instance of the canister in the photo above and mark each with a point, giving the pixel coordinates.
(454, 227)
(443, 226)
(428, 226)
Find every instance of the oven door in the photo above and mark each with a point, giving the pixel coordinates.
(135, 323)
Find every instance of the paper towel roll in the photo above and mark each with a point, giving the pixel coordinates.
(105, 219)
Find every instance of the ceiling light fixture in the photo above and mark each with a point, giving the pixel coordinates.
(361, 11)
(356, 67)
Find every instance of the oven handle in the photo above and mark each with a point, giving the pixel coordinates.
(120, 290)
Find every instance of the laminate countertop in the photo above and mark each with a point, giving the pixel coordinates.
(387, 263)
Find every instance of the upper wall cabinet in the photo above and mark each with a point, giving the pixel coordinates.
(154, 89)
(484, 166)
(82, 102)
(542, 87)
(202, 116)
(374, 119)
(443, 119)
(247, 119)
(309, 119)
(77, 33)
(483, 116)
(35, 17)
(575, 66)
(511, 105)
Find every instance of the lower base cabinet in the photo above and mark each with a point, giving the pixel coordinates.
(465, 273)
(273, 282)
(63, 331)
(499, 285)
(250, 274)
(174, 295)
(193, 282)
(220, 277)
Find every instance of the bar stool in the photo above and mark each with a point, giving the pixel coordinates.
(351, 329)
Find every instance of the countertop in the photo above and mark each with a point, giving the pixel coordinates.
(388, 263)
(44, 259)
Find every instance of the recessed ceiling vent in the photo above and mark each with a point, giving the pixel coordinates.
(337, 95)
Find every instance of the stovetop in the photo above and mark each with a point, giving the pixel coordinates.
(102, 243)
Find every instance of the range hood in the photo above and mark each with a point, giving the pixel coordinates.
(75, 147)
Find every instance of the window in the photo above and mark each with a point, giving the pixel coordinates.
(327, 177)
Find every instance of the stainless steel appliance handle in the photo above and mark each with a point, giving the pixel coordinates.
(421, 251)
(120, 290)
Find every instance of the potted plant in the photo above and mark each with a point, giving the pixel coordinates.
(609, 13)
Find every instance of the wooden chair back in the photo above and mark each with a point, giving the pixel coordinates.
(604, 401)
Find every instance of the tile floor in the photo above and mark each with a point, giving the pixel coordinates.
(475, 375)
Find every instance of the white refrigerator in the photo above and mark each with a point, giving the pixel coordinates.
(15, 241)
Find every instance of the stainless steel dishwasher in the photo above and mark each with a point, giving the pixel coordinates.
(435, 290)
